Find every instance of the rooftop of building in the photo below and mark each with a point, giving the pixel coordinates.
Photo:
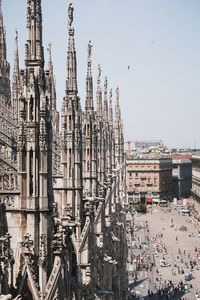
(149, 153)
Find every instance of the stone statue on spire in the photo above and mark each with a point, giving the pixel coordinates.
(16, 35)
(117, 92)
(89, 51)
(110, 94)
(70, 14)
(105, 85)
(99, 72)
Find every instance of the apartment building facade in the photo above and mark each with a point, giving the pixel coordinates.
(148, 178)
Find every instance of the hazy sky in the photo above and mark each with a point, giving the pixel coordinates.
(158, 39)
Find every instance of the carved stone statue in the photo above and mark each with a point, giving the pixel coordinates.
(117, 92)
(99, 72)
(89, 51)
(70, 14)
(110, 93)
(105, 84)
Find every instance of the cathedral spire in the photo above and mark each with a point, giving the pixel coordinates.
(71, 83)
(16, 56)
(110, 108)
(2, 37)
(117, 106)
(34, 50)
(4, 65)
(53, 83)
(89, 81)
(99, 93)
(15, 79)
(50, 64)
(105, 106)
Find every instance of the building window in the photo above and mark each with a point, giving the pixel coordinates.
(136, 174)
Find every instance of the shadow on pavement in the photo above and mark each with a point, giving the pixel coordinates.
(136, 283)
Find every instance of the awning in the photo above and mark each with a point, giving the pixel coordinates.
(149, 200)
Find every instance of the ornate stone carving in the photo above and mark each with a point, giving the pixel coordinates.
(68, 211)
(70, 14)
(27, 245)
(8, 200)
(43, 250)
(57, 242)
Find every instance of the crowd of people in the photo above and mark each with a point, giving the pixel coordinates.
(183, 263)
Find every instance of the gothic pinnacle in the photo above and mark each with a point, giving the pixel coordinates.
(50, 65)
(16, 55)
(53, 83)
(105, 108)
(99, 76)
(2, 36)
(34, 50)
(70, 14)
(110, 107)
(99, 93)
(89, 69)
(71, 83)
(89, 80)
(117, 106)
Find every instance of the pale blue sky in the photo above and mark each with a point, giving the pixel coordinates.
(158, 39)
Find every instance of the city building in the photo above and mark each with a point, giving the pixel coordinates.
(148, 144)
(62, 190)
(196, 176)
(182, 175)
(148, 177)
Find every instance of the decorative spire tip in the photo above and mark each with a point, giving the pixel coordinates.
(110, 94)
(16, 35)
(70, 14)
(90, 51)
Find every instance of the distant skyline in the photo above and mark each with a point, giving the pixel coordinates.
(149, 48)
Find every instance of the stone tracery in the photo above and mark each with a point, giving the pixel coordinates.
(59, 185)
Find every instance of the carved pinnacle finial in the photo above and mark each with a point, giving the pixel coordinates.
(110, 106)
(49, 48)
(70, 14)
(117, 93)
(105, 85)
(110, 94)
(99, 74)
(117, 106)
(49, 51)
(34, 48)
(90, 51)
(16, 55)
(16, 36)
(105, 98)
(50, 64)
(71, 81)
(89, 80)
(99, 93)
